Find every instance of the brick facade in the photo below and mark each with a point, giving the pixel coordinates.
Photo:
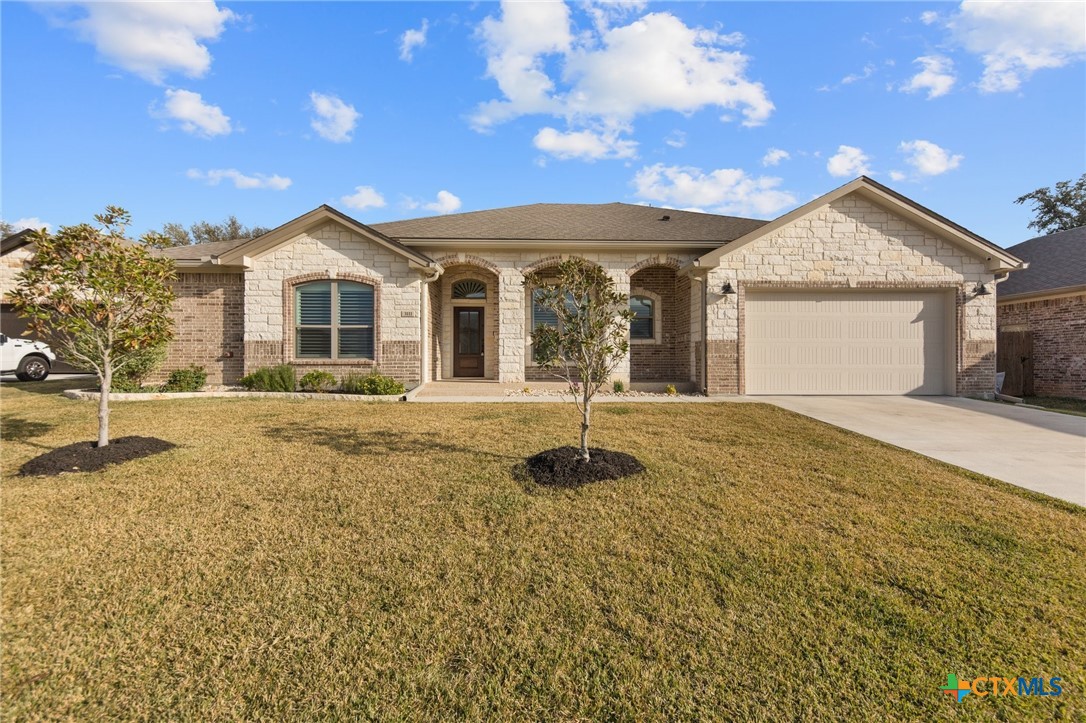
(1058, 327)
(667, 357)
(209, 327)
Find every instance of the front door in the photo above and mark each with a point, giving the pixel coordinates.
(468, 342)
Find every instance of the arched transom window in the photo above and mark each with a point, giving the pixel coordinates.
(333, 320)
(469, 289)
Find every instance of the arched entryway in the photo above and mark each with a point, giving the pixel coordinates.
(660, 349)
(467, 338)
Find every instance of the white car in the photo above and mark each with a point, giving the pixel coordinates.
(30, 360)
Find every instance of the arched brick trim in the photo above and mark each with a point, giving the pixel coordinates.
(449, 260)
(469, 260)
(668, 261)
(542, 264)
(288, 316)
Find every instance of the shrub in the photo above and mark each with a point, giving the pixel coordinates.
(316, 381)
(270, 379)
(191, 379)
(372, 383)
(618, 386)
(139, 367)
(670, 389)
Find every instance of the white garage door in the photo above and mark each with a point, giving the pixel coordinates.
(846, 342)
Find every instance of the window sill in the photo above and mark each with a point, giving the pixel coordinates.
(331, 362)
(645, 342)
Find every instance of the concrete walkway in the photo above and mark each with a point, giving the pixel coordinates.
(1038, 450)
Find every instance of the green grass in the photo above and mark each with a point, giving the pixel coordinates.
(300, 560)
(1068, 405)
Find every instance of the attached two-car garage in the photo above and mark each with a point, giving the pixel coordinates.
(820, 341)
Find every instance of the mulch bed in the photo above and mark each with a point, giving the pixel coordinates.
(88, 457)
(563, 467)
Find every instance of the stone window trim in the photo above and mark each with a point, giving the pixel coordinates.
(288, 319)
(657, 317)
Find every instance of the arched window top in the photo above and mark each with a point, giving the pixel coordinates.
(469, 289)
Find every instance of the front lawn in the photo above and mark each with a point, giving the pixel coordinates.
(1068, 405)
(308, 559)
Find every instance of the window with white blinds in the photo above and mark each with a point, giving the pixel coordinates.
(334, 320)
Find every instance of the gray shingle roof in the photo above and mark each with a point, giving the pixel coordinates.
(1055, 261)
(195, 252)
(575, 222)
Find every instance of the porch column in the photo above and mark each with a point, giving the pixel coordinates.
(511, 333)
(622, 286)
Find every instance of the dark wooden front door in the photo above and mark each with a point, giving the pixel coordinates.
(468, 342)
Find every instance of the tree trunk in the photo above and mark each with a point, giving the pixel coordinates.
(103, 406)
(585, 418)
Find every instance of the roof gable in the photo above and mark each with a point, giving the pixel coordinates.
(998, 259)
(16, 240)
(236, 253)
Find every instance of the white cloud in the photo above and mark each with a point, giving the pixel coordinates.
(334, 120)
(936, 76)
(258, 180)
(929, 17)
(363, 197)
(676, 139)
(1015, 39)
(412, 39)
(848, 161)
(868, 71)
(445, 203)
(586, 145)
(31, 222)
(149, 39)
(929, 159)
(608, 76)
(725, 190)
(897, 176)
(193, 114)
(774, 156)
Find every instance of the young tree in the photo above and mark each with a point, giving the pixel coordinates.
(1058, 209)
(102, 301)
(590, 339)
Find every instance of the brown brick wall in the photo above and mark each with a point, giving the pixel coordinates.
(208, 320)
(668, 360)
(1058, 329)
(723, 366)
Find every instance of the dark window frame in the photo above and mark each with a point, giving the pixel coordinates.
(334, 327)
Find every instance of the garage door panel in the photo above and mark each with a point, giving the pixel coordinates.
(840, 342)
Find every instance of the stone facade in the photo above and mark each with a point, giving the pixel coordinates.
(11, 264)
(852, 243)
(209, 327)
(1058, 327)
(332, 252)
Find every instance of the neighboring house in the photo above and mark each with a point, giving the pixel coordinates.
(1042, 317)
(15, 251)
(861, 291)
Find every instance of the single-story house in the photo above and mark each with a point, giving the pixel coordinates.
(860, 291)
(1041, 317)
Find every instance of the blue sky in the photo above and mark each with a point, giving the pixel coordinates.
(194, 111)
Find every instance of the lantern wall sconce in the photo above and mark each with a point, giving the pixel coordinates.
(727, 289)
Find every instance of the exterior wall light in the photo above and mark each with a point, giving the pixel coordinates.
(980, 290)
(727, 289)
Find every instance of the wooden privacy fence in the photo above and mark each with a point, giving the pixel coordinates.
(1015, 357)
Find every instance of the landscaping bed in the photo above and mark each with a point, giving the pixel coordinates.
(89, 457)
(563, 466)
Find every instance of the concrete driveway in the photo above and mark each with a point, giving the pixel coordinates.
(1041, 451)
